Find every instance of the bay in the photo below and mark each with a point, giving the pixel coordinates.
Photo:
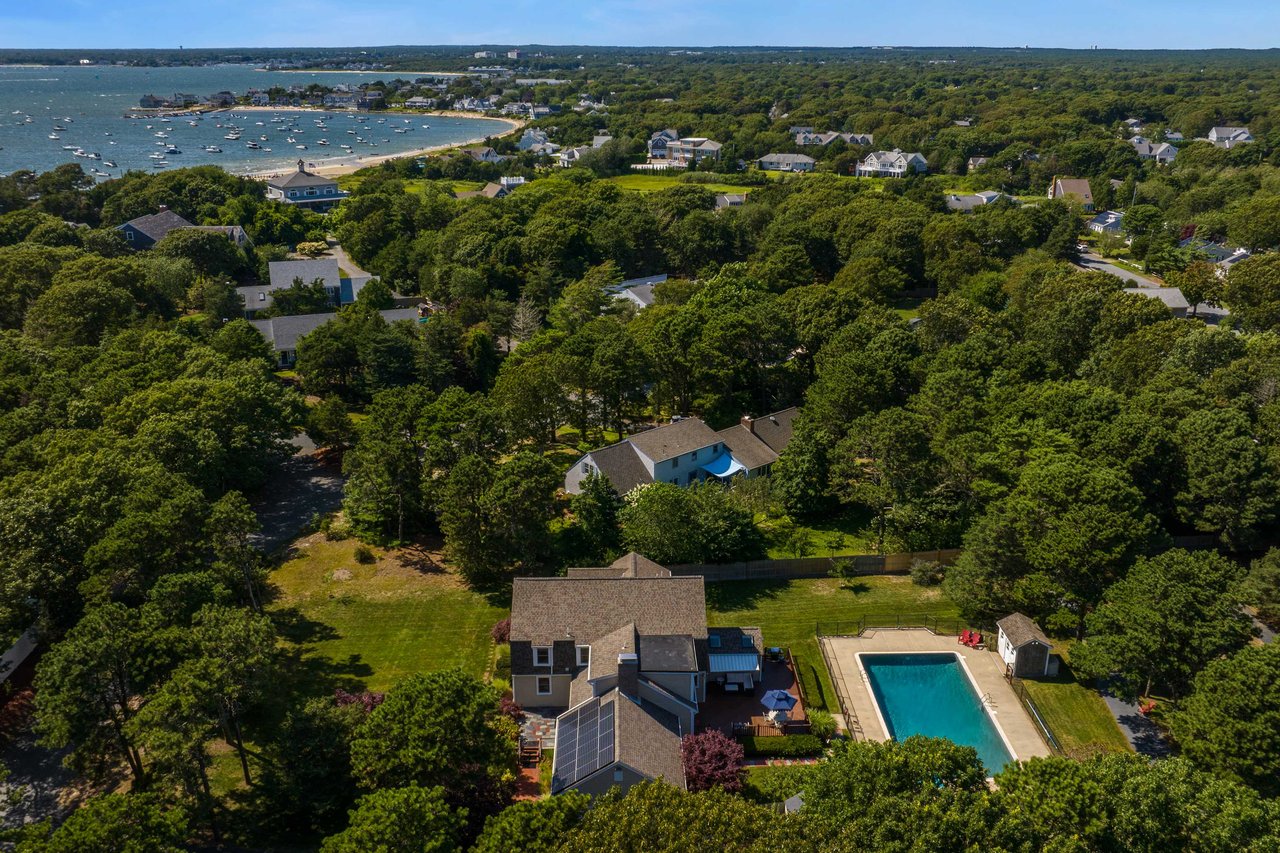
(91, 103)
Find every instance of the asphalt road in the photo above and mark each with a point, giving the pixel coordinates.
(1090, 261)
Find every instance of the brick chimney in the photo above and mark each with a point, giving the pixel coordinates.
(748, 422)
(629, 674)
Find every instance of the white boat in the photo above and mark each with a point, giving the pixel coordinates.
(160, 134)
(109, 164)
(95, 156)
(54, 136)
(213, 149)
(156, 155)
(172, 149)
(301, 147)
(253, 146)
(322, 142)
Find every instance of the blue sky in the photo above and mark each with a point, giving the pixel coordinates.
(311, 23)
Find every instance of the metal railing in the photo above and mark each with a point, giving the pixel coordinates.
(852, 724)
(1042, 725)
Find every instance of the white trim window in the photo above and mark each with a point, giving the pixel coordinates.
(542, 656)
(584, 655)
(542, 685)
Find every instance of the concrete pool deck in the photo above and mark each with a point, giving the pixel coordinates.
(1019, 729)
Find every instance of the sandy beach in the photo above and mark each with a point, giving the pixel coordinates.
(333, 167)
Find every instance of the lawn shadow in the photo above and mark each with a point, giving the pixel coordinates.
(857, 587)
(296, 627)
(417, 557)
(727, 596)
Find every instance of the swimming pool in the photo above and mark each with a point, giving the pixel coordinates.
(931, 694)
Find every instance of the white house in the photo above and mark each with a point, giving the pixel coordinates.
(1229, 137)
(892, 164)
(1162, 152)
(305, 189)
(638, 291)
(787, 163)
(806, 136)
(1023, 647)
(1107, 222)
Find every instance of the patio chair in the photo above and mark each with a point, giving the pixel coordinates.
(975, 639)
(964, 637)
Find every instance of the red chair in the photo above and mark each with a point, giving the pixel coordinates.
(964, 637)
(975, 639)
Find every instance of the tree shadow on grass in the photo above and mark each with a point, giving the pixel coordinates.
(296, 627)
(725, 596)
(857, 587)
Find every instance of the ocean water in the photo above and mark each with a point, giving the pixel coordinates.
(930, 695)
(91, 103)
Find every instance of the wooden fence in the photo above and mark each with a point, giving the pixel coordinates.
(814, 567)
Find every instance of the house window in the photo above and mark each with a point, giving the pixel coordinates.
(617, 775)
(675, 463)
(586, 468)
(128, 235)
(584, 655)
(693, 455)
(543, 687)
(542, 656)
(262, 296)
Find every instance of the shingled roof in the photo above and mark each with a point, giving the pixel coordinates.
(632, 565)
(671, 440)
(1021, 630)
(547, 609)
(300, 178)
(157, 225)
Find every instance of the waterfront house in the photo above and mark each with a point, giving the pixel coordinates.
(892, 164)
(689, 151)
(787, 163)
(659, 141)
(483, 154)
(282, 275)
(686, 452)
(145, 231)
(623, 654)
(305, 189)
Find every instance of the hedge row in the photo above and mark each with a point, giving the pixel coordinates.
(782, 746)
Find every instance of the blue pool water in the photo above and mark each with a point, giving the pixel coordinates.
(931, 695)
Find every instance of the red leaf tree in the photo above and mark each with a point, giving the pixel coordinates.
(711, 759)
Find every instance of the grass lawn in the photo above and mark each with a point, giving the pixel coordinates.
(908, 307)
(775, 783)
(852, 525)
(1076, 715)
(652, 183)
(786, 611)
(371, 625)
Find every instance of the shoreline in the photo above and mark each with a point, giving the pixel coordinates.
(350, 166)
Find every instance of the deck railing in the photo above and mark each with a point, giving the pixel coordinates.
(852, 724)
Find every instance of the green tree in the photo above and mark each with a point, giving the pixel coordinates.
(533, 826)
(1166, 619)
(1199, 283)
(496, 518)
(1262, 588)
(595, 511)
(1231, 481)
(78, 313)
(700, 523)
(329, 424)
(401, 820)
(656, 816)
(1227, 724)
(1253, 292)
(211, 252)
(1053, 545)
(440, 728)
(231, 526)
(87, 687)
(113, 823)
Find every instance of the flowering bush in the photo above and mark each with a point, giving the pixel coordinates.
(367, 699)
(501, 631)
(711, 759)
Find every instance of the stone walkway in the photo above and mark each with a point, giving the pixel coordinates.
(540, 723)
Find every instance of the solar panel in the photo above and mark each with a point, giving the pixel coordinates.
(584, 742)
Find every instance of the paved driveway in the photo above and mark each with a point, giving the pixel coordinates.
(1143, 735)
(1091, 261)
(304, 487)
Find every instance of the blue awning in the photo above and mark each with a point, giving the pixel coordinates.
(738, 662)
(724, 465)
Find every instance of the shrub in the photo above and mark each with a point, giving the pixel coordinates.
(364, 554)
(711, 759)
(334, 530)
(783, 746)
(508, 707)
(367, 699)
(926, 572)
(822, 724)
(501, 631)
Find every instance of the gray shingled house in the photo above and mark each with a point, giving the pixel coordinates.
(145, 231)
(623, 652)
(283, 333)
(686, 452)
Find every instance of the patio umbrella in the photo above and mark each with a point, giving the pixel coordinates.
(778, 700)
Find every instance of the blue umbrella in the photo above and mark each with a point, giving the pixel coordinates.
(778, 700)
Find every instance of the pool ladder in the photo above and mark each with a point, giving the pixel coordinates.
(987, 702)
